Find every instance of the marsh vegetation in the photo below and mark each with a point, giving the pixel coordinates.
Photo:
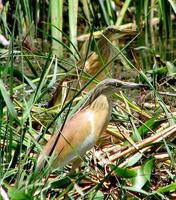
(48, 63)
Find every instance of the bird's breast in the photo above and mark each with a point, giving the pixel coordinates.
(97, 117)
(101, 109)
(91, 138)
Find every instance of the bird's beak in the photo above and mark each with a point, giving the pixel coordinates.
(128, 33)
(133, 85)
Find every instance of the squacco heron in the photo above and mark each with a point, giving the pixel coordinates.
(81, 132)
(104, 53)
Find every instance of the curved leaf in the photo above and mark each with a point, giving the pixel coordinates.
(8, 101)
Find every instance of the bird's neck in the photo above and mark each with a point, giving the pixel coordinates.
(102, 102)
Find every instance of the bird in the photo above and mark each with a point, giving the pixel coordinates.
(80, 133)
(104, 52)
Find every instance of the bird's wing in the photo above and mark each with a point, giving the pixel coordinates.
(47, 150)
(75, 139)
(71, 138)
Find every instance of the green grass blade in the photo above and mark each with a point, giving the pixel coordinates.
(8, 101)
(73, 15)
(57, 21)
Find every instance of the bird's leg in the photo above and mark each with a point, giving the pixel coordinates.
(75, 165)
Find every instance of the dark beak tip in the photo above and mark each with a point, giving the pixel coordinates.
(144, 86)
